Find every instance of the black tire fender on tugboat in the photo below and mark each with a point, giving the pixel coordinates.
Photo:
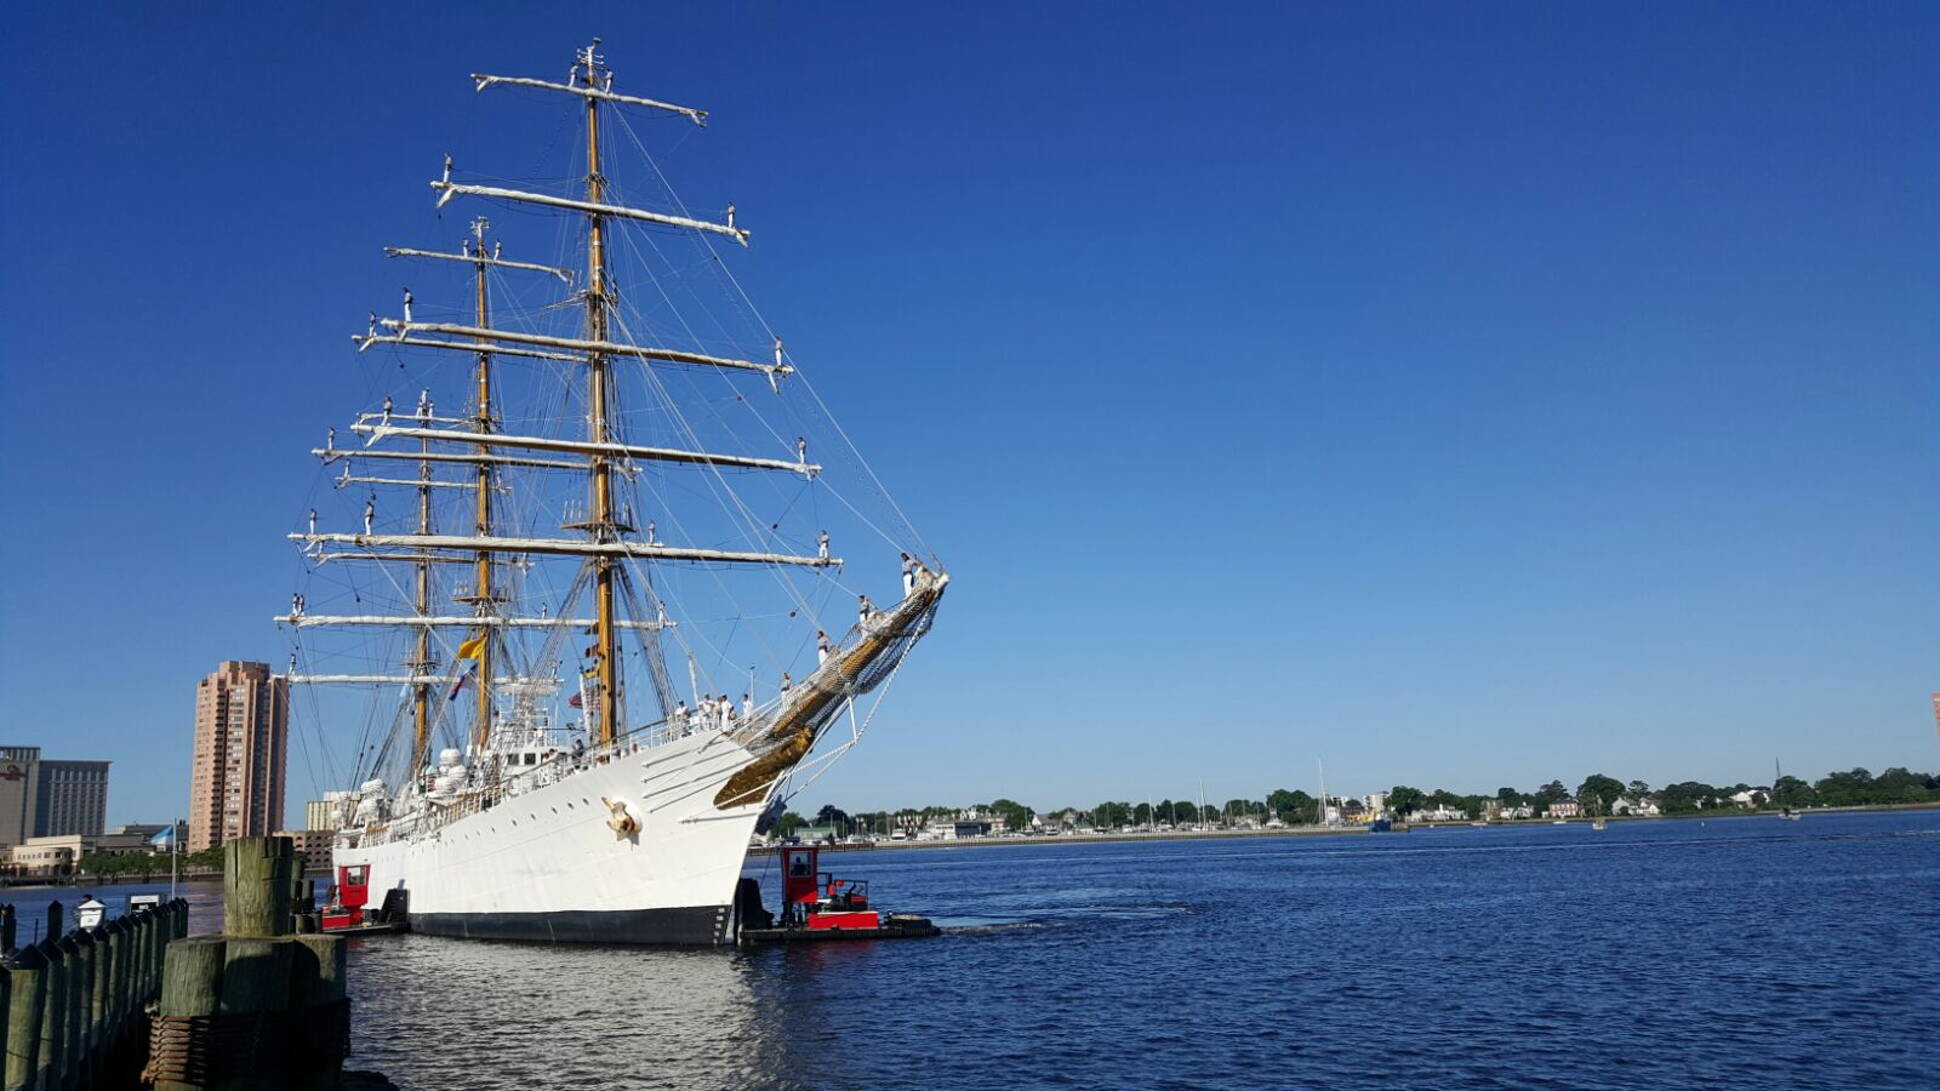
(748, 910)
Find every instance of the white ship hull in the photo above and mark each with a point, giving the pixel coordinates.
(543, 865)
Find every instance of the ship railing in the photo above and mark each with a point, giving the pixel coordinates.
(436, 813)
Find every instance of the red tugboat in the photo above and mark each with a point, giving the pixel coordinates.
(344, 911)
(816, 906)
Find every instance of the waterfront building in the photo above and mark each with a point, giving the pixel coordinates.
(19, 784)
(327, 813)
(315, 846)
(72, 797)
(241, 748)
(59, 854)
(1566, 808)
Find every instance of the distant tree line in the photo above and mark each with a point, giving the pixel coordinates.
(1599, 794)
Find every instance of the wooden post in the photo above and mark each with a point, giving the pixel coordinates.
(118, 990)
(256, 979)
(71, 1000)
(53, 1006)
(87, 1041)
(9, 927)
(24, 1011)
(190, 987)
(158, 953)
(56, 919)
(256, 886)
(6, 1014)
(137, 961)
(317, 988)
(106, 1028)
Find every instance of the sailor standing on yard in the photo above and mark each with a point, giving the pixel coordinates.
(787, 683)
(909, 575)
(801, 449)
(821, 647)
(822, 545)
(370, 513)
(864, 610)
(747, 707)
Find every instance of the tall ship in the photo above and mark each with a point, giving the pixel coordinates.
(583, 622)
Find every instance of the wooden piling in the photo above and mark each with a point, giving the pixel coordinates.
(50, 1064)
(191, 988)
(256, 886)
(9, 927)
(6, 1015)
(56, 920)
(25, 1008)
(318, 988)
(106, 1030)
(157, 950)
(72, 998)
(86, 1036)
(118, 990)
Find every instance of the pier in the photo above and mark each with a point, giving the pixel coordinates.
(136, 1001)
(76, 1001)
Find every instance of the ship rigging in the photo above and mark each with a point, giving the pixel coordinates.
(627, 822)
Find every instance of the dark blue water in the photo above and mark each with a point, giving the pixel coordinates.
(1737, 952)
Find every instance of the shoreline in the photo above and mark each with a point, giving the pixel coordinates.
(1320, 831)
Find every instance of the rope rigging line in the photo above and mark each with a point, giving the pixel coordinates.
(748, 302)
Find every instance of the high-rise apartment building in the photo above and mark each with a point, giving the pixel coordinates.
(72, 798)
(242, 714)
(19, 787)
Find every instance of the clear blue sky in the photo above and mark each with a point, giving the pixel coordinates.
(1467, 394)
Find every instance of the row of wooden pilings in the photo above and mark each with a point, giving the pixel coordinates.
(75, 1002)
(254, 1008)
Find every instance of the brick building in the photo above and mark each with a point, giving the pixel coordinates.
(242, 716)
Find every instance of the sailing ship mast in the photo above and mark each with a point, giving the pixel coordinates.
(601, 527)
(486, 450)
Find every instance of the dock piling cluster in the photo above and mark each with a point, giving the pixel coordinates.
(75, 1003)
(257, 1006)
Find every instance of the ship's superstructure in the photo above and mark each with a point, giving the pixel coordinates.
(531, 767)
